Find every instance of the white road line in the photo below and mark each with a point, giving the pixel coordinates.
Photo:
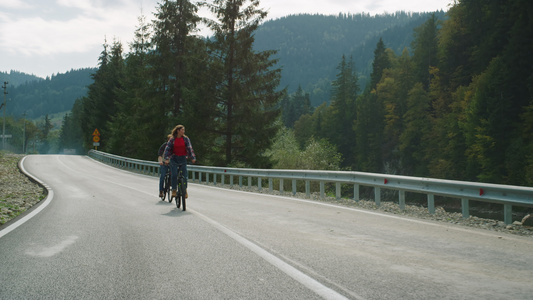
(299, 276)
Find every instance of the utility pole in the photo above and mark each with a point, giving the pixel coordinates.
(24, 135)
(5, 107)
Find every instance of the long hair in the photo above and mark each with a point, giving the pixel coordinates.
(174, 132)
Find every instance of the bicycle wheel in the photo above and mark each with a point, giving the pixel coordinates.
(183, 198)
(168, 189)
(182, 191)
(179, 193)
(165, 188)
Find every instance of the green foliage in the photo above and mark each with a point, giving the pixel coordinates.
(417, 126)
(294, 106)
(315, 155)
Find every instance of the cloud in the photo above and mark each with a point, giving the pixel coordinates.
(17, 4)
(47, 36)
(84, 27)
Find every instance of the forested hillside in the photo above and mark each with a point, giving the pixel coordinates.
(15, 78)
(310, 46)
(54, 94)
(459, 105)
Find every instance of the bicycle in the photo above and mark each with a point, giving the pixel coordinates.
(182, 191)
(167, 187)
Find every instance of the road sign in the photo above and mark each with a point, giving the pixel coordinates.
(96, 132)
(96, 138)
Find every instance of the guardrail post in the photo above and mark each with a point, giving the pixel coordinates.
(377, 195)
(259, 183)
(240, 181)
(308, 189)
(356, 192)
(337, 190)
(231, 180)
(270, 185)
(250, 182)
(465, 206)
(222, 179)
(322, 189)
(199, 177)
(294, 187)
(402, 200)
(214, 179)
(281, 186)
(431, 204)
(508, 214)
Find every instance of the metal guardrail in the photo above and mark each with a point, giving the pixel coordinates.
(506, 195)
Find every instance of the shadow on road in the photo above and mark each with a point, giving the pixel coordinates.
(176, 213)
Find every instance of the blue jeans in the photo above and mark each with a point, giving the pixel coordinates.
(177, 163)
(164, 169)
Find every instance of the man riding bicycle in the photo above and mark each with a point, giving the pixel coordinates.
(164, 167)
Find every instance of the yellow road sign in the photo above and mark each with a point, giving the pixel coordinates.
(96, 132)
(96, 138)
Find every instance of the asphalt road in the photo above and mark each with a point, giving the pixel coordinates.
(104, 234)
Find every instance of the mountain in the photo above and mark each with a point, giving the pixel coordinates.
(15, 78)
(310, 47)
(48, 96)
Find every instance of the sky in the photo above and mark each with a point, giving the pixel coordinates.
(47, 37)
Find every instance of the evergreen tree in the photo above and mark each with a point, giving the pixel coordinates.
(425, 50)
(343, 111)
(369, 124)
(101, 102)
(392, 91)
(175, 21)
(71, 136)
(381, 62)
(138, 119)
(294, 106)
(413, 139)
(44, 134)
(247, 82)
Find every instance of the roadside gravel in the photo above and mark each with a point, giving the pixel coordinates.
(18, 194)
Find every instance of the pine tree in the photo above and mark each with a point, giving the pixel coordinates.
(425, 50)
(413, 139)
(381, 62)
(138, 119)
(343, 110)
(247, 82)
(369, 124)
(175, 21)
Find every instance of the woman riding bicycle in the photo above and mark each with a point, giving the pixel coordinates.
(178, 149)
